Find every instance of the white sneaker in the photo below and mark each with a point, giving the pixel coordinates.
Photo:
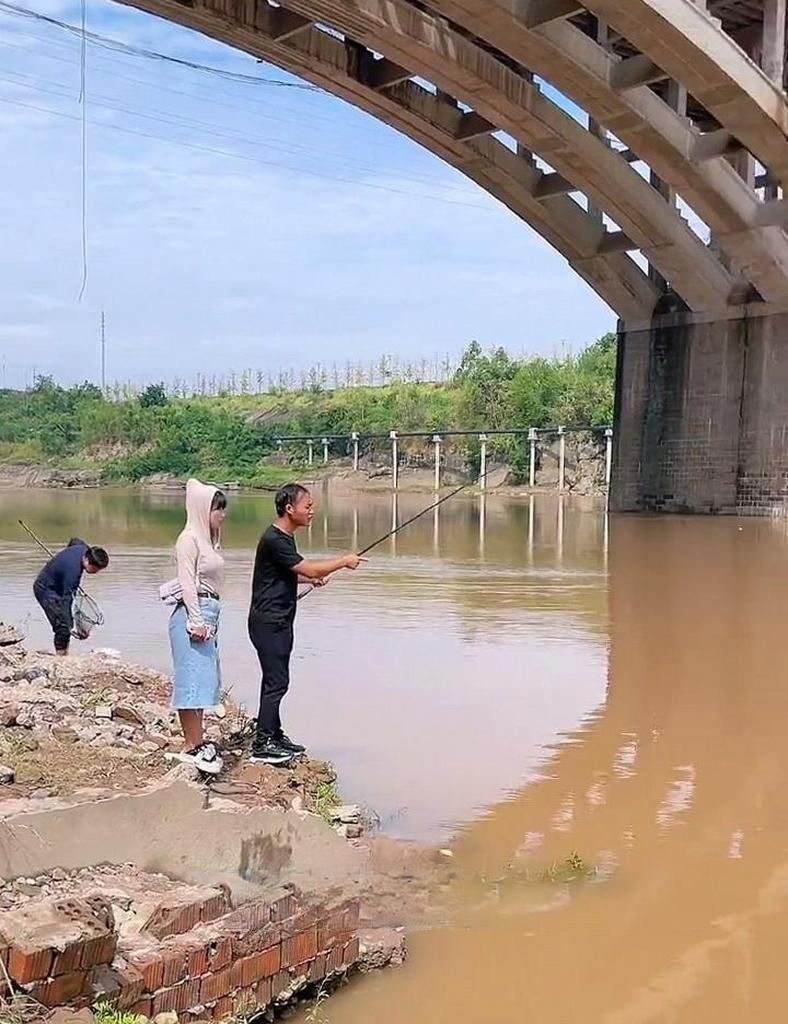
(204, 758)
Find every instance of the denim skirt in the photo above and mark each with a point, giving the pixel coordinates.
(197, 676)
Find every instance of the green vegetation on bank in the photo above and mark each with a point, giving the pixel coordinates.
(230, 437)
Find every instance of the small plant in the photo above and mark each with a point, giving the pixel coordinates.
(324, 798)
(105, 1013)
(573, 869)
(314, 1014)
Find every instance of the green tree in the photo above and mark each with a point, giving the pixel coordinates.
(154, 396)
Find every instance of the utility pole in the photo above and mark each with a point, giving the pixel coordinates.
(103, 356)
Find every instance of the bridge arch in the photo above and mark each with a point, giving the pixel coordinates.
(480, 57)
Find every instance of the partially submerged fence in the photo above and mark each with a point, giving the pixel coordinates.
(535, 435)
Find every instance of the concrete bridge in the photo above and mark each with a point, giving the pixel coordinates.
(665, 196)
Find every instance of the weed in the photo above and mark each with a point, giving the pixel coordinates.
(573, 869)
(324, 798)
(315, 1013)
(104, 1013)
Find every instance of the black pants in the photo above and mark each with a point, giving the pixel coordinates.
(58, 610)
(274, 644)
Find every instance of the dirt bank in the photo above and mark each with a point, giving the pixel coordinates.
(93, 807)
(584, 471)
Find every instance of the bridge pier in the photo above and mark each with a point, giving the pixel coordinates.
(701, 422)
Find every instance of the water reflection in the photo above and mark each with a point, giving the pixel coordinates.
(673, 787)
(445, 632)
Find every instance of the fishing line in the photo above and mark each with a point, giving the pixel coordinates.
(84, 172)
(401, 526)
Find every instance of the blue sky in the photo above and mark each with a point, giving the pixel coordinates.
(212, 247)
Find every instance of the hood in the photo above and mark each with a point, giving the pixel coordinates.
(198, 509)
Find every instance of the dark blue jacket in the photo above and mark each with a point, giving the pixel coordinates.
(62, 574)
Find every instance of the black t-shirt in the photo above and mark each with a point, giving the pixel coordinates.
(274, 584)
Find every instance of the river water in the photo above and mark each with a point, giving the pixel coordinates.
(521, 681)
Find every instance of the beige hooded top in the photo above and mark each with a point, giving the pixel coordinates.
(200, 565)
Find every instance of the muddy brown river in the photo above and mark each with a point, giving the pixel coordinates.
(524, 683)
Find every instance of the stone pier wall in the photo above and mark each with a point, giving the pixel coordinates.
(702, 415)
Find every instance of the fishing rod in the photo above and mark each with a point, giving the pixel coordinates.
(43, 547)
(401, 526)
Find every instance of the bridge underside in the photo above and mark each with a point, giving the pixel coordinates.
(664, 192)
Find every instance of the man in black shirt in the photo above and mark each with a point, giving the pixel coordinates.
(278, 569)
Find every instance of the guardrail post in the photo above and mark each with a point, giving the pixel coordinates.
(394, 459)
(608, 456)
(483, 461)
(325, 450)
(532, 461)
(310, 457)
(436, 440)
(561, 458)
(354, 439)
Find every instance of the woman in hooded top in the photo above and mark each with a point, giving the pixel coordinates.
(194, 624)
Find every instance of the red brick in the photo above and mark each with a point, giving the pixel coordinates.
(223, 1008)
(152, 970)
(245, 1000)
(264, 992)
(26, 965)
(249, 917)
(303, 920)
(299, 948)
(246, 943)
(213, 953)
(220, 953)
(335, 961)
(143, 1007)
(119, 983)
(214, 986)
(339, 925)
(100, 950)
(67, 960)
(256, 967)
(176, 917)
(174, 963)
(281, 983)
(283, 907)
(350, 953)
(216, 906)
(178, 998)
(317, 969)
(63, 989)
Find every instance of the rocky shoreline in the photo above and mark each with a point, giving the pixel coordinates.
(92, 738)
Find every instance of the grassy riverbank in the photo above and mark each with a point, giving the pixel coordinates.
(232, 436)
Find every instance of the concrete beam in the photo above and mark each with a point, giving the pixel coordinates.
(551, 184)
(539, 12)
(581, 68)
(634, 72)
(714, 144)
(616, 241)
(285, 24)
(473, 125)
(773, 42)
(384, 73)
(432, 50)
(681, 38)
(773, 214)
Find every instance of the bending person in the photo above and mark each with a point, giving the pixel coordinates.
(278, 568)
(58, 582)
(194, 625)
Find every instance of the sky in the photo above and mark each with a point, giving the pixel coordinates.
(233, 224)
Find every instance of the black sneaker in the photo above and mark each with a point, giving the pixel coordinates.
(284, 741)
(270, 752)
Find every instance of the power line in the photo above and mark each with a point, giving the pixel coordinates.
(211, 129)
(115, 44)
(241, 156)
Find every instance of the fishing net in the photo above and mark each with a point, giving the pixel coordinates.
(86, 614)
